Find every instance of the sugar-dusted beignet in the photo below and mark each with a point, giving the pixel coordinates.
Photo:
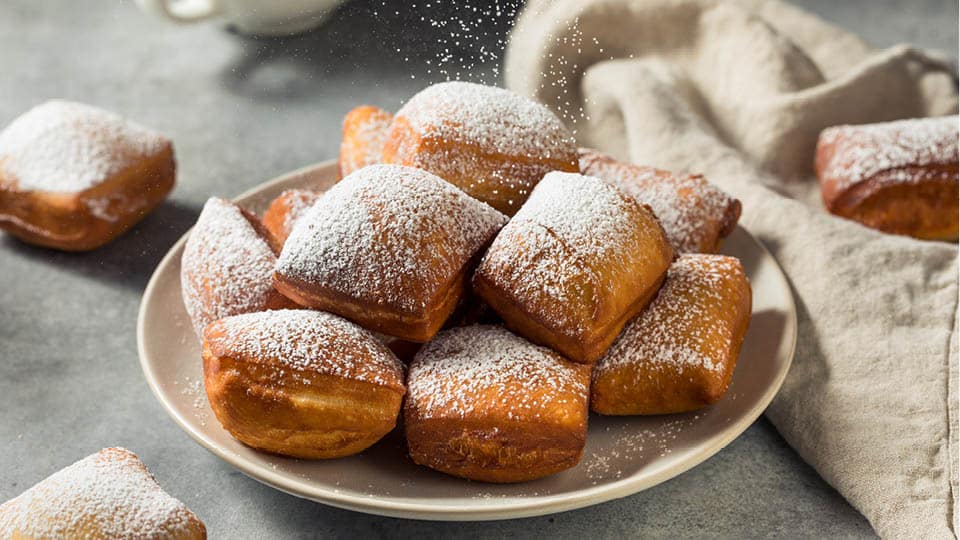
(897, 177)
(388, 247)
(74, 177)
(279, 219)
(488, 405)
(365, 130)
(301, 383)
(695, 214)
(110, 494)
(576, 262)
(226, 266)
(489, 142)
(678, 355)
(284, 211)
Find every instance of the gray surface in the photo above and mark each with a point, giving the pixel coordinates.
(241, 111)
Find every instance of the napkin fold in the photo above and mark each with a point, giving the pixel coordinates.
(739, 91)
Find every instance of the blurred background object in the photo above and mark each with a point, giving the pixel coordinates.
(257, 17)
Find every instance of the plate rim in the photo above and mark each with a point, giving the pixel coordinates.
(542, 505)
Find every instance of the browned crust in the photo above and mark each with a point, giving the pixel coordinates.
(925, 207)
(462, 163)
(920, 201)
(417, 326)
(303, 414)
(494, 443)
(587, 348)
(623, 391)
(64, 221)
(493, 452)
(731, 216)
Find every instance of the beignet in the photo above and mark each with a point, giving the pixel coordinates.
(577, 261)
(226, 266)
(74, 177)
(489, 142)
(365, 130)
(301, 383)
(284, 211)
(897, 177)
(389, 248)
(487, 405)
(110, 494)
(678, 355)
(695, 214)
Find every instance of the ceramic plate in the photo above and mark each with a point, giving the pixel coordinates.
(623, 455)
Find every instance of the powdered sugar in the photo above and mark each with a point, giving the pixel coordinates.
(863, 151)
(226, 266)
(630, 444)
(307, 340)
(676, 329)
(389, 235)
(109, 494)
(692, 210)
(583, 211)
(474, 366)
(68, 147)
(494, 117)
(535, 266)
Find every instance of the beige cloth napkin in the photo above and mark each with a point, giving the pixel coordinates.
(739, 91)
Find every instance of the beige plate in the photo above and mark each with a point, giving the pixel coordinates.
(623, 455)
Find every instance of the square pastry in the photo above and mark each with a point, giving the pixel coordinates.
(490, 142)
(74, 177)
(574, 264)
(897, 177)
(227, 266)
(109, 494)
(679, 354)
(301, 383)
(486, 404)
(388, 247)
(695, 214)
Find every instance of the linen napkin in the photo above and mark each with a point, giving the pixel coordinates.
(739, 91)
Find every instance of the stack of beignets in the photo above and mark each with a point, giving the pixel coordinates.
(74, 177)
(412, 246)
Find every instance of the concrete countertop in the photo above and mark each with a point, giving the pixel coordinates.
(242, 111)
